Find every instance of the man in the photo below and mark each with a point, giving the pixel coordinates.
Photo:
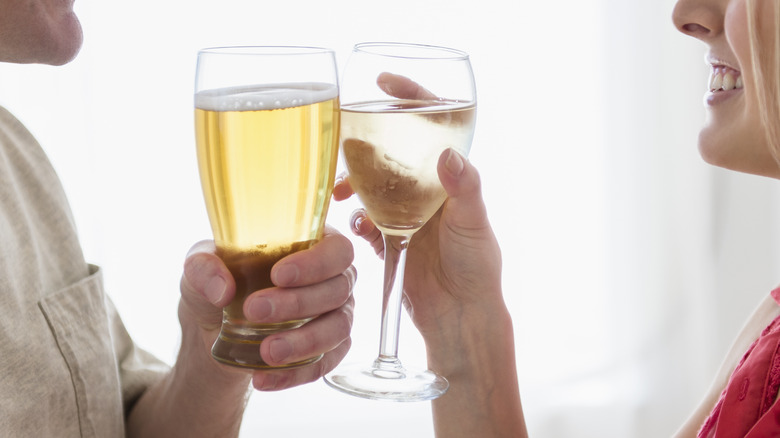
(67, 365)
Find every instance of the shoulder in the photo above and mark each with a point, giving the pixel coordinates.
(767, 310)
(9, 124)
(18, 146)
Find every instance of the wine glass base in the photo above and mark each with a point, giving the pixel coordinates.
(380, 381)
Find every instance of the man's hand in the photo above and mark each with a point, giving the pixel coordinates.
(312, 283)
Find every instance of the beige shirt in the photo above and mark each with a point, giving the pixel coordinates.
(67, 366)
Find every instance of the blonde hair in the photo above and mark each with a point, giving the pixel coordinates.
(765, 57)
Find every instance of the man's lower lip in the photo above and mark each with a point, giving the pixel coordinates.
(715, 97)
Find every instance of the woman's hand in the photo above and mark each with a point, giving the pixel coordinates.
(452, 290)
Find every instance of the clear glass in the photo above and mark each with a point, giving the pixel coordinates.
(267, 125)
(402, 105)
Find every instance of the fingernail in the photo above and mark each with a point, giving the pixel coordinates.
(285, 274)
(259, 309)
(215, 289)
(454, 163)
(386, 86)
(280, 350)
(356, 224)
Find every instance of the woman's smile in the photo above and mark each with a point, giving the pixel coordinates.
(725, 82)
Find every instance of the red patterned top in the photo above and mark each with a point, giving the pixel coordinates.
(747, 407)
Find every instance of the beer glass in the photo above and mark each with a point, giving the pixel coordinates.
(402, 105)
(267, 123)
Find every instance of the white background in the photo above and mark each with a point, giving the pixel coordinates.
(629, 264)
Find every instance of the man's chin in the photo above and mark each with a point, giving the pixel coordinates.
(69, 46)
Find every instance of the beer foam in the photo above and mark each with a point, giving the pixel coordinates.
(264, 97)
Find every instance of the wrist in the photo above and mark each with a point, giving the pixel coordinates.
(196, 367)
(198, 397)
(476, 339)
(478, 360)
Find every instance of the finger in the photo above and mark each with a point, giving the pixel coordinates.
(363, 227)
(206, 283)
(286, 304)
(329, 257)
(314, 338)
(284, 379)
(342, 189)
(464, 208)
(403, 87)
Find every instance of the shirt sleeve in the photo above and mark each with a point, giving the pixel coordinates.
(138, 369)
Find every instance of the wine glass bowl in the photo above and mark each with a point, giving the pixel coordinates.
(391, 151)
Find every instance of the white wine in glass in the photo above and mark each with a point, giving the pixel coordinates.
(402, 106)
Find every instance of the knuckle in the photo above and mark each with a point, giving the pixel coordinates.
(343, 324)
(309, 373)
(200, 265)
(299, 305)
(350, 277)
(306, 345)
(294, 307)
(344, 250)
(349, 251)
(318, 370)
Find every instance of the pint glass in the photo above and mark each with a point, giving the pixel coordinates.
(267, 125)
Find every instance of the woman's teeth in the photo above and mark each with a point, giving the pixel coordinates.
(723, 79)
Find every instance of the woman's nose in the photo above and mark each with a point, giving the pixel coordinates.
(699, 18)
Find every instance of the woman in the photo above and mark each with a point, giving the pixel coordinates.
(453, 286)
(742, 133)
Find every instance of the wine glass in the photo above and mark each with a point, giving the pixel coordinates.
(266, 121)
(402, 105)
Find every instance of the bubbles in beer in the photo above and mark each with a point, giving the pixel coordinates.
(264, 97)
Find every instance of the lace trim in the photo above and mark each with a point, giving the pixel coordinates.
(708, 428)
(772, 383)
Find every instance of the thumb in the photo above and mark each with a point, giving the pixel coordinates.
(464, 209)
(206, 285)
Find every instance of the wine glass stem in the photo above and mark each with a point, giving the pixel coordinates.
(395, 263)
